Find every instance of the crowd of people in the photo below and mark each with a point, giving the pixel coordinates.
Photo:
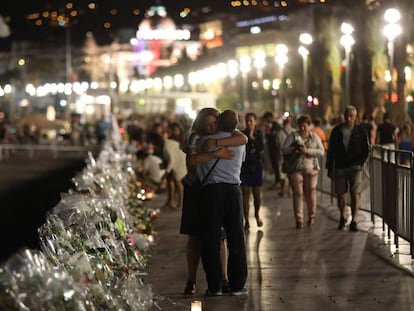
(213, 169)
(39, 130)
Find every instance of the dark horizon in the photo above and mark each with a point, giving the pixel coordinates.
(15, 15)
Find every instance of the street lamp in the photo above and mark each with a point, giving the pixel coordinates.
(245, 67)
(281, 59)
(391, 30)
(232, 71)
(305, 39)
(259, 63)
(347, 41)
(68, 69)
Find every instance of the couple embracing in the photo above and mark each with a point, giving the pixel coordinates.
(219, 214)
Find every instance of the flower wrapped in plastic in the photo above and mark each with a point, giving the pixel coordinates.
(96, 233)
(30, 282)
(94, 246)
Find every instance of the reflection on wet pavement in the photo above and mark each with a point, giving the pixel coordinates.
(316, 268)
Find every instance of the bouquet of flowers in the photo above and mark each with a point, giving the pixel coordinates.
(94, 246)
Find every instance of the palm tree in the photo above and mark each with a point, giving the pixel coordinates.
(406, 7)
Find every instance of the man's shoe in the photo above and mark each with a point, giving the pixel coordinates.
(353, 226)
(225, 287)
(210, 293)
(243, 291)
(190, 288)
(342, 222)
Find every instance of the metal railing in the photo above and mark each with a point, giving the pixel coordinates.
(31, 150)
(387, 191)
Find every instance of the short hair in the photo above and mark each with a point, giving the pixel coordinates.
(304, 119)
(174, 125)
(267, 114)
(227, 121)
(366, 116)
(250, 114)
(317, 121)
(141, 154)
(349, 109)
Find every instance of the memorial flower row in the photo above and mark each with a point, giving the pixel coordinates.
(94, 246)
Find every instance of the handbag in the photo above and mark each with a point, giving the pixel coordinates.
(292, 162)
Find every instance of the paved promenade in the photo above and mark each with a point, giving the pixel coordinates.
(318, 268)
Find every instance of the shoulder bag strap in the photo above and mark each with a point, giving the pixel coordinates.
(209, 171)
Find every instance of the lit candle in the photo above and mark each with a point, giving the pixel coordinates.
(196, 305)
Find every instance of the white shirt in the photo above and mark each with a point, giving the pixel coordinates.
(177, 162)
(151, 165)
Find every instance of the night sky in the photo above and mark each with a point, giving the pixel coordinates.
(119, 13)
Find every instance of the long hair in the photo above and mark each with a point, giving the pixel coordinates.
(199, 121)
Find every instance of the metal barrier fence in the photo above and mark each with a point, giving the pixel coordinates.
(387, 191)
(54, 150)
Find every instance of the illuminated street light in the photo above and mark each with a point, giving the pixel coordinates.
(305, 39)
(259, 63)
(178, 81)
(347, 41)
(347, 29)
(391, 30)
(392, 16)
(232, 69)
(281, 59)
(304, 52)
(245, 67)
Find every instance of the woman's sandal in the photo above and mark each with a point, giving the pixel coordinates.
(258, 219)
(168, 205)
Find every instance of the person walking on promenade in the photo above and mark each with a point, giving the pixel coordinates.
(287, 129)
(252, 170)
(271, 130)
(302, 149)
(370, 127)
(204, 124)
(222, 206)
(101, 129)
(348, 150)
(318, 130)
(387, 135)
(406, 142)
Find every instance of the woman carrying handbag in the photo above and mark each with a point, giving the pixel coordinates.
(301, 151)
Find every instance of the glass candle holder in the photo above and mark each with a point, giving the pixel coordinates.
(196, 305)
